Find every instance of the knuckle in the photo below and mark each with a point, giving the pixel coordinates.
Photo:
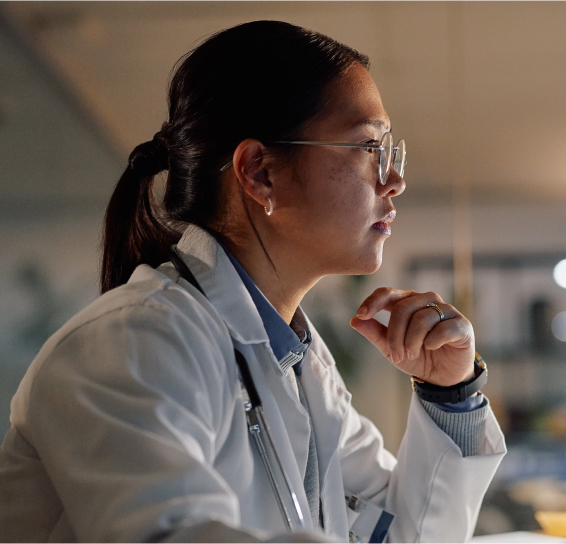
(457, 327)
(435, 297)
(404, 304)
(392, 293)
(422, 319)
(464, 326)
(378, 293)
(453, 311)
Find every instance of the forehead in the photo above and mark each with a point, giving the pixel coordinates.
(354, 101)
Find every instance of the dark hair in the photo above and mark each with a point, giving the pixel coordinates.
(262, 80)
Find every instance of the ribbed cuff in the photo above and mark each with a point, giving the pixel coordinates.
(464, 428)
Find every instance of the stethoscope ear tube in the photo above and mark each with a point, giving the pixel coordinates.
(183, 269)
(247, 379)
(257, 425)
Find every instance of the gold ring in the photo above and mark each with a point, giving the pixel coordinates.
(435, 307)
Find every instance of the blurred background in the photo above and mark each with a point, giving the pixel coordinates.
(477, 90)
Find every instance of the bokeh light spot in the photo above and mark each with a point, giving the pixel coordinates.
(560, 273)
(559, 326)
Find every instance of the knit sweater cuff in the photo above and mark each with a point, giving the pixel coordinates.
(464, 428)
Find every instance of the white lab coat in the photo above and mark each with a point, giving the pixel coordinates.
(130, 426)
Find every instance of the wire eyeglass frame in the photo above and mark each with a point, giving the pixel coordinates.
(396, 154)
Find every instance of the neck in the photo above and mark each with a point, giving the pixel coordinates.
(276, 273)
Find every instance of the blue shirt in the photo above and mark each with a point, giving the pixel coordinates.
(289, 343)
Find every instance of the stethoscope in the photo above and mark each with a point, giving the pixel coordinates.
(257, 425)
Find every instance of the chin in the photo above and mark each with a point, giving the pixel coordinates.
(374, 268)
(365, 265)
(360, 262)
(372, 259)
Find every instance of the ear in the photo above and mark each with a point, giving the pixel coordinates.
(251, 166)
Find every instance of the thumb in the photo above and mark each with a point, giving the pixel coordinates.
(374, 331)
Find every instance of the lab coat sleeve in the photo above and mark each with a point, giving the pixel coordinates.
(127, 414)
(432, 490)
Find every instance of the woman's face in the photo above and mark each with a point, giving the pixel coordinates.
(331, 205)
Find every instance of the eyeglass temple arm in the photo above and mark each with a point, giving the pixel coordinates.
(335, 144)
(226, 166)
(330, 144)
(342, 144)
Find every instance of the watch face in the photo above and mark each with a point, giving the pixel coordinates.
(479, 365)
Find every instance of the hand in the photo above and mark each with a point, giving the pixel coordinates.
(416, 341)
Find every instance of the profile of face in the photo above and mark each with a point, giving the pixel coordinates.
(331, 211)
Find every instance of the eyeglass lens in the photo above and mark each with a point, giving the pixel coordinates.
(385, 158)
(400, 157)
(389, 154)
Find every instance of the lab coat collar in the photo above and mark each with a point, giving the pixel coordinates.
(222, 285)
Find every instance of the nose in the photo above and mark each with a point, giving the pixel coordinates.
(394, 186)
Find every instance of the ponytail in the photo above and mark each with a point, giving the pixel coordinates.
(133, 231)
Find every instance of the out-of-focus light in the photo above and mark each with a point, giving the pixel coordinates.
(560, 273)
(559, 326)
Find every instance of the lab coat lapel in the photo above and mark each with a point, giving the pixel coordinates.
(328, 403)
(229, 296)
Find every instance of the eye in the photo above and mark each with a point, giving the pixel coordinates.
(370, 149)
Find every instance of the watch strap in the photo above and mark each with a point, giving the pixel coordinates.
(454, 393)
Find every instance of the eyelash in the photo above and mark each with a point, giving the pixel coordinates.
(370, 150)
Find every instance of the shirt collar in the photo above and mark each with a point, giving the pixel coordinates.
(289, 343)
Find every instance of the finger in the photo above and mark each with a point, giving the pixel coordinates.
(381, 299)
(457, 332)
(374, 331)
(401, 315)
(456, 338)
(421, 323)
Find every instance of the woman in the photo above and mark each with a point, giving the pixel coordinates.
(131, 423)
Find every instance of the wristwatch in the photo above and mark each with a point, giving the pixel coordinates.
(455, 393)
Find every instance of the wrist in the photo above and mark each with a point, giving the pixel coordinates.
(455, 393)
(472, 374)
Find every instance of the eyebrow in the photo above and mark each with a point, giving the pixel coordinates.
(374, 123)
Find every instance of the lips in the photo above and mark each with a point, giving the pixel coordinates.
(389, 217)
(383, 225)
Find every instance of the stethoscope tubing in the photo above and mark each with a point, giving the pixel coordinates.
(257, 425)
(282, 488)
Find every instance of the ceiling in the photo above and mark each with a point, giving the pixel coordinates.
(477, 89)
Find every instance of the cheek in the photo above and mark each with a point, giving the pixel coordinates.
(346, 199)
(336, 208)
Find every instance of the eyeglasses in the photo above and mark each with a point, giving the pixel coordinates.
(388, 154)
